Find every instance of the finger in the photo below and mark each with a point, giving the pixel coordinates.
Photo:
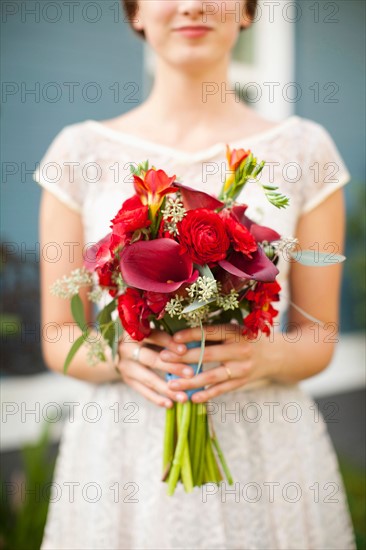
(163, 339)
(152, 359)
(150, 394)
(148, 378)
(213, 333)
(220, 353)
(211, 376)
(216, 390)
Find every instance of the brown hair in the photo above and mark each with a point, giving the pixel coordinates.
(131, 6)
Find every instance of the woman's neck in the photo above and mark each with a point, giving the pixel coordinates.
(191, 102)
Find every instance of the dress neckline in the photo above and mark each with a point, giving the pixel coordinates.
(208, 152)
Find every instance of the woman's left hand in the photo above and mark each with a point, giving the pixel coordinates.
(242, 360)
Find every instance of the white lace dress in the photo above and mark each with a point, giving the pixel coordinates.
(288, 493)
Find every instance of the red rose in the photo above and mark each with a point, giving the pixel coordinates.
(203, 236)
(241, 238)
(105, 276)
(133, 215)
(134, 314)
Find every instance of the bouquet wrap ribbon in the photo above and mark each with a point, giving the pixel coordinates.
(169, 376)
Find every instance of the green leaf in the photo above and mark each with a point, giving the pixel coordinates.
(205, 271)
(109, 334)
(77, 310)
(104, 316)
(74, 348)
(314, 258)
(118, 332)
(197, 305)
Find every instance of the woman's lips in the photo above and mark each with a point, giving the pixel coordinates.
(193, 32)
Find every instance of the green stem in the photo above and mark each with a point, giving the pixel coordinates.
(223, 462)
(185, 471)
(202, 444)
(209, 467)
(198, 439)
(169, 434)
(185, 411)
(192, 435)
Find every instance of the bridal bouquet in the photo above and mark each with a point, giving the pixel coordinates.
(177, 257)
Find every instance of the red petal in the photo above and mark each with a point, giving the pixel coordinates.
(260, 268)
(98, 254)
(156, 265)
(193, 199)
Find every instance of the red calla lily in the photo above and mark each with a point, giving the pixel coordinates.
(157, 265)
(259, 268)
(192, 198)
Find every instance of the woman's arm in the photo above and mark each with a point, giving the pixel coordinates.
(316, 290)
(63, 226)
(307, 347)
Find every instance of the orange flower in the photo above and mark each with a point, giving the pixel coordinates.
(236, 157)
(234, 160)
(153, 188)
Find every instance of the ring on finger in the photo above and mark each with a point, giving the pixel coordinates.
(136, 353)
(229, 373)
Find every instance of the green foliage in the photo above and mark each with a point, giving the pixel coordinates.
(23, 516)
(77, 310)
(354, 480)
(74, 348)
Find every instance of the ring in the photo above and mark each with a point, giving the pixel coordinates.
(229, 374)
(136, 353)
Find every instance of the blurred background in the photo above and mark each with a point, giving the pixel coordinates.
(65, 62)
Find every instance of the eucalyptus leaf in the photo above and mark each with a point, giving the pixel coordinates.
(205, 271)
(314, 258)
(197, 305)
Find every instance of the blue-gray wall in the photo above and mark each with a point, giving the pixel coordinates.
(331, 52)
(37, 52)
(330, 59)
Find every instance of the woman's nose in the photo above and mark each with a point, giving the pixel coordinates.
(194, 8)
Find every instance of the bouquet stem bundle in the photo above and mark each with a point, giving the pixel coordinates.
(189, 447)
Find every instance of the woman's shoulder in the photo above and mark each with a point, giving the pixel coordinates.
(309, 129)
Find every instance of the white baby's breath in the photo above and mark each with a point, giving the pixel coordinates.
(96, 351)
(69, 286)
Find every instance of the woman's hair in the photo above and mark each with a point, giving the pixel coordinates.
(131, 7)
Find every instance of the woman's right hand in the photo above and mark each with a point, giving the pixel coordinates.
(140, 374)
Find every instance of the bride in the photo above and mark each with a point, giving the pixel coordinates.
(288, 493)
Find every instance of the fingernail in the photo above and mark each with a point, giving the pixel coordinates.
(197, 398)
(180, 397)
(178, 337)
(168, 404)
(181, 348)
(187, 371)
(174, 385)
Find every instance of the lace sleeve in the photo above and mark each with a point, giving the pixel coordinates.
(60, 170)
(326, 170)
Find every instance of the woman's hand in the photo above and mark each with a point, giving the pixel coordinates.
(138, 361)
(242, 361)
